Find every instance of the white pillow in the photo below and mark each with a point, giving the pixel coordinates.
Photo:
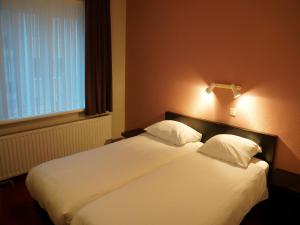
(230, 148)
(174, 132)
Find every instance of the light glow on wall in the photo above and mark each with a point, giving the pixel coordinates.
(249, 110)
(207, 98)
(205, 104)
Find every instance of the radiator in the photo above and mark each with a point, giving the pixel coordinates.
(22, 151)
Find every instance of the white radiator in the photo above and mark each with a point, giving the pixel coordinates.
(22, 151)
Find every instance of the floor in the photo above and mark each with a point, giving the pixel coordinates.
(17, 208)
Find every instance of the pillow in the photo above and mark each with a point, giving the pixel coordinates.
(230, 148)
(174, 132)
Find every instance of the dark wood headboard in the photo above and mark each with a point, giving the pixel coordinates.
(209, 129)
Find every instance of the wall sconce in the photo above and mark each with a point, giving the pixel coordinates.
(236, 90)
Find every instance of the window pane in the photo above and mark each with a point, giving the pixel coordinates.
(41, 57)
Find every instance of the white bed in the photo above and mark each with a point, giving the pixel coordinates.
(191, 190)
(65, 185)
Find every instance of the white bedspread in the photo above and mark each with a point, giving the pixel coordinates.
(191, 190)
(64, 185)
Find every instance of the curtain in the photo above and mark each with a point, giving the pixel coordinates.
(42, 64)
(98, 75)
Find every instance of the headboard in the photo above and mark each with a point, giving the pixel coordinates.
(209, 129)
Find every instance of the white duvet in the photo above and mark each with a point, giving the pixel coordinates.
(190, 190)
(64, 185)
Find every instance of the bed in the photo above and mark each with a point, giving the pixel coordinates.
(64, 185)
(193, 190)
(141, 186)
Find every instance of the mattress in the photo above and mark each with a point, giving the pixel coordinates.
(191, 190)
(64, 185)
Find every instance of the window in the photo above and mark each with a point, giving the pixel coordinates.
(41, 57)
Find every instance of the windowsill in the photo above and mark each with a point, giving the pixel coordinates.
(28, 124)
(15, 121)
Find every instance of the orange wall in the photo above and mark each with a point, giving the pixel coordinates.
(174, 48)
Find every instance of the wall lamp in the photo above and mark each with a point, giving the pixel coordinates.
(236, 90)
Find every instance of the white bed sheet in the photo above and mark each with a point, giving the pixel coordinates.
(191, 190)
(64, 185)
